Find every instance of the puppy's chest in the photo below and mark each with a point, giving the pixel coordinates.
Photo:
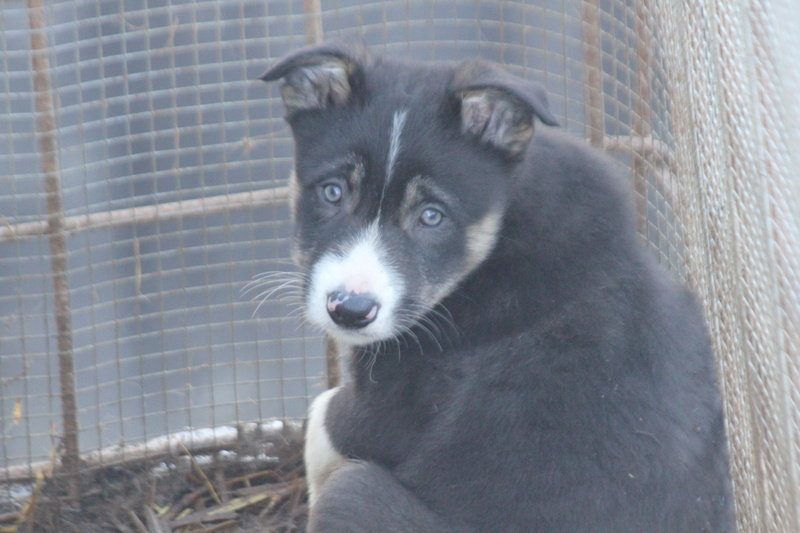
(399, 410)
(417, 391)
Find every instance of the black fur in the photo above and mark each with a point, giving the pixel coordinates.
(567, 382)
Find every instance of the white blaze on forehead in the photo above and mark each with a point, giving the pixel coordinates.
(361, 266)
(398, 121)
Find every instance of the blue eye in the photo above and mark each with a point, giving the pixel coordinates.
(431, 217)
(332, 193)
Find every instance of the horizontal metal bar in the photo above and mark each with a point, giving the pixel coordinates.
(644, 146)
(175, 444)
(150, 213)
(244, 200)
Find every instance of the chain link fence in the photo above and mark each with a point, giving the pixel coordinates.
(142, 185)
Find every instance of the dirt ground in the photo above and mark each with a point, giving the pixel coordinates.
(224, 492)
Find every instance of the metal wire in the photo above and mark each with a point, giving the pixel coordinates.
(173, 160)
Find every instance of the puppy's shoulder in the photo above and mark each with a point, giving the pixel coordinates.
(554, 148)
(572, 193)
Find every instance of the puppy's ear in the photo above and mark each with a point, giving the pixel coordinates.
(498, 108)
(319, 77)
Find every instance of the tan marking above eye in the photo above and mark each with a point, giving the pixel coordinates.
(355, 179)
(411, 197)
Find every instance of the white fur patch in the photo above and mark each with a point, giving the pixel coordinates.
(362, 267)
(320, 457)
(398, 121)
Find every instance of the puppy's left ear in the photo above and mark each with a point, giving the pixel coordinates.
(498, 108)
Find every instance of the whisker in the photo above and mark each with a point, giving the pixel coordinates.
(423, 325)
(283, 286)
(270, 277)
(272, 291)
(371, 364)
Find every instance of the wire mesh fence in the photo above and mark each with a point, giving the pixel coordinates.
(169, 162)
(171, 176)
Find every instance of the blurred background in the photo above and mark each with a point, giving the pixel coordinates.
(142, 185)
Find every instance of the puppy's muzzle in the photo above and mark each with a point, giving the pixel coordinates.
(352, 310)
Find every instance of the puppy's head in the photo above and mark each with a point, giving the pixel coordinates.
(402, 173)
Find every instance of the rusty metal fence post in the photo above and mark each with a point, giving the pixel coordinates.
(48, 141)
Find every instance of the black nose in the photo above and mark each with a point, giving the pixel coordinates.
(352, 310)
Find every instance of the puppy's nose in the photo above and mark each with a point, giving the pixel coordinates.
(352, 310)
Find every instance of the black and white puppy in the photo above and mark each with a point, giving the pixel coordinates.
(519, 361)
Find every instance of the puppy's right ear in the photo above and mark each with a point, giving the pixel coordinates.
(319, 77)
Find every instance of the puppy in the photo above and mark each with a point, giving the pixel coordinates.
(519, 360)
